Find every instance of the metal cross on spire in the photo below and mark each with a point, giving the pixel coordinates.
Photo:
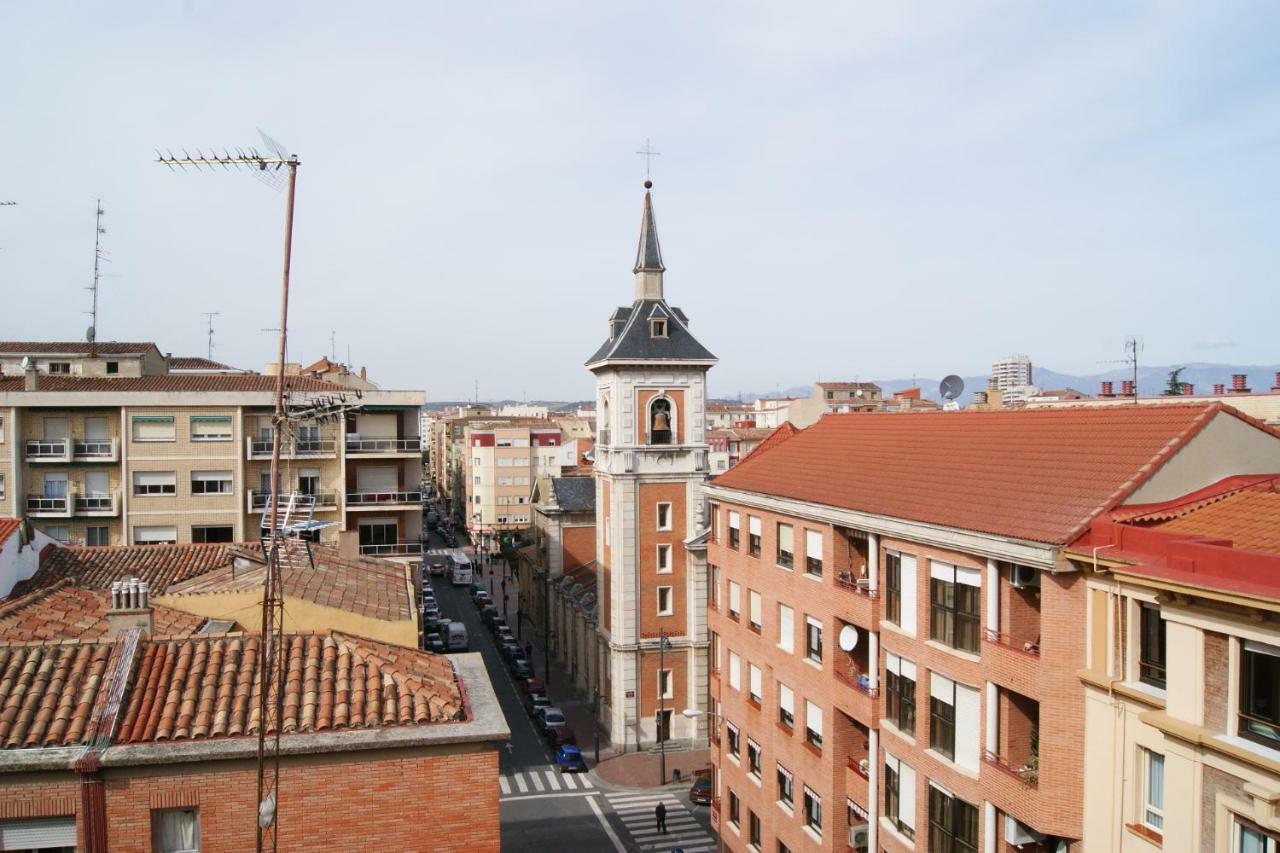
(648, 153)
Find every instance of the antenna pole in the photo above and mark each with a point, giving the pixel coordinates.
(333, 345)
(97, 274)
(209, 315)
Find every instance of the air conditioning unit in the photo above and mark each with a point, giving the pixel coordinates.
(1016, 833)
(858, 837)
(1023, 577)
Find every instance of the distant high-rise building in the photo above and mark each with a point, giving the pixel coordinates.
(1011, 372)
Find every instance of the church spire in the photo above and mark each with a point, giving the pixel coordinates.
(649, 266)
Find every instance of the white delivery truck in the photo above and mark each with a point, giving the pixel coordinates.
(460, 573)
(457, 639)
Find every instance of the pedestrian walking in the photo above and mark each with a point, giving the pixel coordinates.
(661, 813)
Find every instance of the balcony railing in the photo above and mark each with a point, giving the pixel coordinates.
(860, 586)
(392, 549)
(96, 449)
(1025, 646)
(261, 448)
(355, 499)
(258, 501)
(860, 682)
(384, 445)
(1028, 774)
(44, 505)
(100, 505)
(49, 450)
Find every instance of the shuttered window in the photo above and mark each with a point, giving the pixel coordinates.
(210, 427)
(153, 428)
(154, 483)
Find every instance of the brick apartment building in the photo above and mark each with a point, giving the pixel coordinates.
(122, 445)
(896, 628)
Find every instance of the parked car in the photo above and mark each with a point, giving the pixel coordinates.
(501, 630)
(430, 612)
(481, 599)
(551, 716)
(434, 643)
(559, 736)
(569, 759)
(534, 703)
(488, 613)
(532, 685)
(511, 650)
(520, 668)
(700, 791)
(478, 587)
(436, 568)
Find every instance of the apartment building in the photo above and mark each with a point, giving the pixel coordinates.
(103, 455)
(502, 462)
(1182, 670)
(729, 446)
(844, 397)
(1260, 404)
(1011, 372)
(897, 625)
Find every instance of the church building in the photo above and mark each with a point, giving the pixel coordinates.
(651, 463)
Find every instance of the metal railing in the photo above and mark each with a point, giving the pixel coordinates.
(95, 448)
(45, 505)
(1028, 774)
(261, 448)
(392, 549)
(95, 504)
(860, 586)
(1027, 647)
(48, 449)
(382, 498)
(258, 501)
(384, 445)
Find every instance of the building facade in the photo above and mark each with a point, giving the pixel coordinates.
(651, 460)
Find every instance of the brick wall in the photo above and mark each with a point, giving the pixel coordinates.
(1216, 686)
(1216, 782)
(579, 544)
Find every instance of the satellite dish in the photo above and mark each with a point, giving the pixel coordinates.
(951, 387)
(858, 393)
(89, 334)
(27, 363)
(848, 638)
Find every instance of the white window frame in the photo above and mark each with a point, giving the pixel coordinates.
(167, 481)
(663, 507)
(812, 714)
(786, 629)
(670, 609)
(155, 420)
(199, 421)
(755, 606)
(666, 684)
(735, 671)
(222, 477)
(1151, 814)
(663, 556)
(154, 530)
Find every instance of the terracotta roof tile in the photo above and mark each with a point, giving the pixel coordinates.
(66, 612)
(194, 362)
(97, 566)
(74, 347)
(8, 526)
(171, 382)
(1012, 473)
(1249, 517)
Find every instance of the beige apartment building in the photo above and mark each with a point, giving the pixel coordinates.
(499, 466)
(133, 454)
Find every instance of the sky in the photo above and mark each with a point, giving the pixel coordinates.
(844, 190)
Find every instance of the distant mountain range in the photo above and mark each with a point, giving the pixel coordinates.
(1151, 380)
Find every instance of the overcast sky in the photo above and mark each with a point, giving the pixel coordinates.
(845, 190)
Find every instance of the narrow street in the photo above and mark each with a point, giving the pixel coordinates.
(542, 809)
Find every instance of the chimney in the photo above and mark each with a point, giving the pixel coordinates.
(1127, 389)
(363, 373)
(1188, 389)
(1219, 389)
(130, 607)
(1238, 385)
(1276, 387)
(348, 543)
(31, 376)
(1106, 390)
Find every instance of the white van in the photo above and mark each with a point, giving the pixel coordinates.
(457, 639)
(460, 573)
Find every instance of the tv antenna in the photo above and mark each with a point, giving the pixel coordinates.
(950, 389)
(277, 169)
(1132, 346)
(99, 258)
(209, 315)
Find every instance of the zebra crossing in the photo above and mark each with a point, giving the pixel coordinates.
(635, 810)
(543, 782)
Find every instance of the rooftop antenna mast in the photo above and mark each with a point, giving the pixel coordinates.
(1132, 346)
(333, 345)
(277, 169)
(209, 315)
(98, 259)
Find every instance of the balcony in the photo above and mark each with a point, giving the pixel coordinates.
(313, 448)
(357, 446)
(392, 549)
(96, 506)
(96, 450)
(49, 507)
(369, 500)
(1015, 754)
(258, 501)
(852, 672)
(49, 450)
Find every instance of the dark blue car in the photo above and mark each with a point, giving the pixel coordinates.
(569, 759)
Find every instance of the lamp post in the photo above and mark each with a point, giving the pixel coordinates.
(663, 645)
(693, 714)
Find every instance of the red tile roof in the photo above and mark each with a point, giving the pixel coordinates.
(848, 386)
(74, 347)
(8, 526)
(1247, 515)
(203, 687)
(171, 382)
(195, 362)
(97, 566)
(1038, 475)
(65, 612)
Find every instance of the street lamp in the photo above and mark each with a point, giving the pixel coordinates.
(663, 645)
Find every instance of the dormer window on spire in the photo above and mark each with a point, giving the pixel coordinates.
(658, 327)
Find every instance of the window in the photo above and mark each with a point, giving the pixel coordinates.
(664, 601)
(155, 535)
(210, 482)
(754, 683)
(892, 587)
(753, 757)
(735, 671)
(900, 693)
(664, 516)
(113, 367)
(813, 552)
(1152, 815)
(812, 810)
(59, 368)
(714, 592)
(813, 639)
(735, 808)
(753, 538)
(753, 610)
(154, 483)
(735, 599)
(942, 715)
(786, 629)
(953, 823)
(657, 328)
(786, 546)
(953, 605)
(734, 738)
(664, 559)
(753, 829)
(786, 706)
(664, 684)
(210, 428)
(97, 535)
(900, 795)
(153, 428)
(786, 786)
(175, 830)
(735, 530)
(813, 724)
(212, 533)
(1250, 838)
(1151, 646)
(2, 488)
(1, 429)
(58, 533)
(1260, 694)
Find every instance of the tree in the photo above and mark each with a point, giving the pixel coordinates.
(1174, 388)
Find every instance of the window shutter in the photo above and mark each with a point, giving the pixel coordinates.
(813, 717)
(147, 428)
(735, 597)
(813, 544)
(892, 663)
(968, 726)
(755, 525)
(786, 699)
(735, 671)
(908, 670)
(735, 520)
(907, 795)
(908, 620)
(942, 688)
(786, 538)
(786, 629)
(154, 478)
(754, 672)
(754, 598)
(968, 577)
